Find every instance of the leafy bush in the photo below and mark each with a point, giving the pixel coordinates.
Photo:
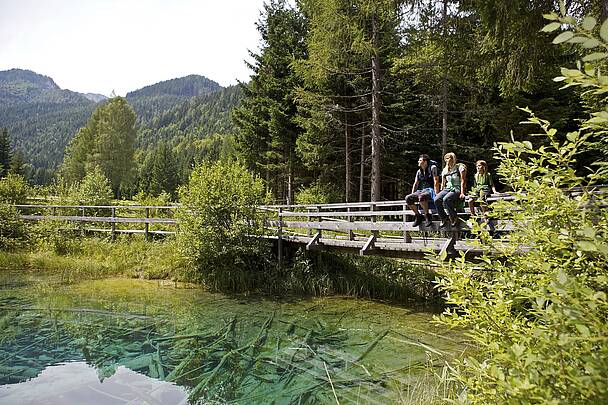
(219, 222)
(318, 193)
(55, 236)
(13, 189)
(13, 233)
(539, 317)
(93, 189)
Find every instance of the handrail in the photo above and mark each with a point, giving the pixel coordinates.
(134, 207)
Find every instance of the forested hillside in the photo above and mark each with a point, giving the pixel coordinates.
(194, 118)
(153, 100)
(42, 118)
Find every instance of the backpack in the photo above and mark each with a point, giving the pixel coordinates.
(426, 180)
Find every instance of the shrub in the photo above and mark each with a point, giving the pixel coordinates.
(13, 233)
(13, 189)
(93, 189)
(539, 317)
(219, 225)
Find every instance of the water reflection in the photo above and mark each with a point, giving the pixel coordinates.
(130, 333)
(79, 383)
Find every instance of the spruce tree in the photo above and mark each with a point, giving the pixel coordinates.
(266, 119)
(5, 152)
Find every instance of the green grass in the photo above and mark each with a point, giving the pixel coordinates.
(89, 258)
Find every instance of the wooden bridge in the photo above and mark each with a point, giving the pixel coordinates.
(367, 228)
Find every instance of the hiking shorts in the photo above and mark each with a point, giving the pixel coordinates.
(480, 195)
(426, 194)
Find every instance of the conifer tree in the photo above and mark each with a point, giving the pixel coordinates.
(105, 141)
(266, 119)
(5, 152)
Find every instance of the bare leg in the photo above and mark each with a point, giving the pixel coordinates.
(472, 206)
(425, 206)
(414, 208)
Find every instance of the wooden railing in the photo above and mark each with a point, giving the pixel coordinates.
(91, 214)
(374, 228)
(368, 228)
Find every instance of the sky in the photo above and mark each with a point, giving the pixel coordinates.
(100, 46)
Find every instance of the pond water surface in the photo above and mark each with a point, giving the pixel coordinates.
(119, 341)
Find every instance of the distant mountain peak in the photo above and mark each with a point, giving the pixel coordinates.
(27, 76)
(95, 97)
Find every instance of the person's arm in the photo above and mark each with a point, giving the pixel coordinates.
(463, 180)
(435, 179)
(492, 185)
(415, 186)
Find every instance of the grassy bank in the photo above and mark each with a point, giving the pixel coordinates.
(308, 273)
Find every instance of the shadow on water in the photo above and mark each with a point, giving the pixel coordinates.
(217, 349)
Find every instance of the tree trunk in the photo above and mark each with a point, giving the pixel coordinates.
(376, 106)
(362, 168)
(444, 90)
(290, 179)
(347, 159)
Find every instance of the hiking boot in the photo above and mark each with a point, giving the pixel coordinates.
(454, 220)
(418, 220)
(427, 220)
(444, 223)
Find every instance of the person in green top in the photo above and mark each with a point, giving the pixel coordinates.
(482, 186)
(453, 185)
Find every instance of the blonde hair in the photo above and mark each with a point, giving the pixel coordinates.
(452, 157)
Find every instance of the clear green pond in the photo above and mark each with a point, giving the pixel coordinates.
(120, 341)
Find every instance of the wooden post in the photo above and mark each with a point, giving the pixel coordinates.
(146, 225)
(407, 238)
(373, 219)
(351, 234)
(82, 224)
(319, 220)
(280, 239)
(113, 223)
(308, 220)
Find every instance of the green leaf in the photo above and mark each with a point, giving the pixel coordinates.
(563, 37)
(583, 330)
(518, 349)
(572, 136)
(551, 27)
(551, 16)
(528, 144)
(604, 30)
(591, 43)
(589, 23)
(562, 277)
(586, 246)
(577, 39)
(595, 56)
(588, 232)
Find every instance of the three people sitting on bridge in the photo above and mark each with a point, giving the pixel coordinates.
(453, 186)
(425, 187)
(482, 186)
